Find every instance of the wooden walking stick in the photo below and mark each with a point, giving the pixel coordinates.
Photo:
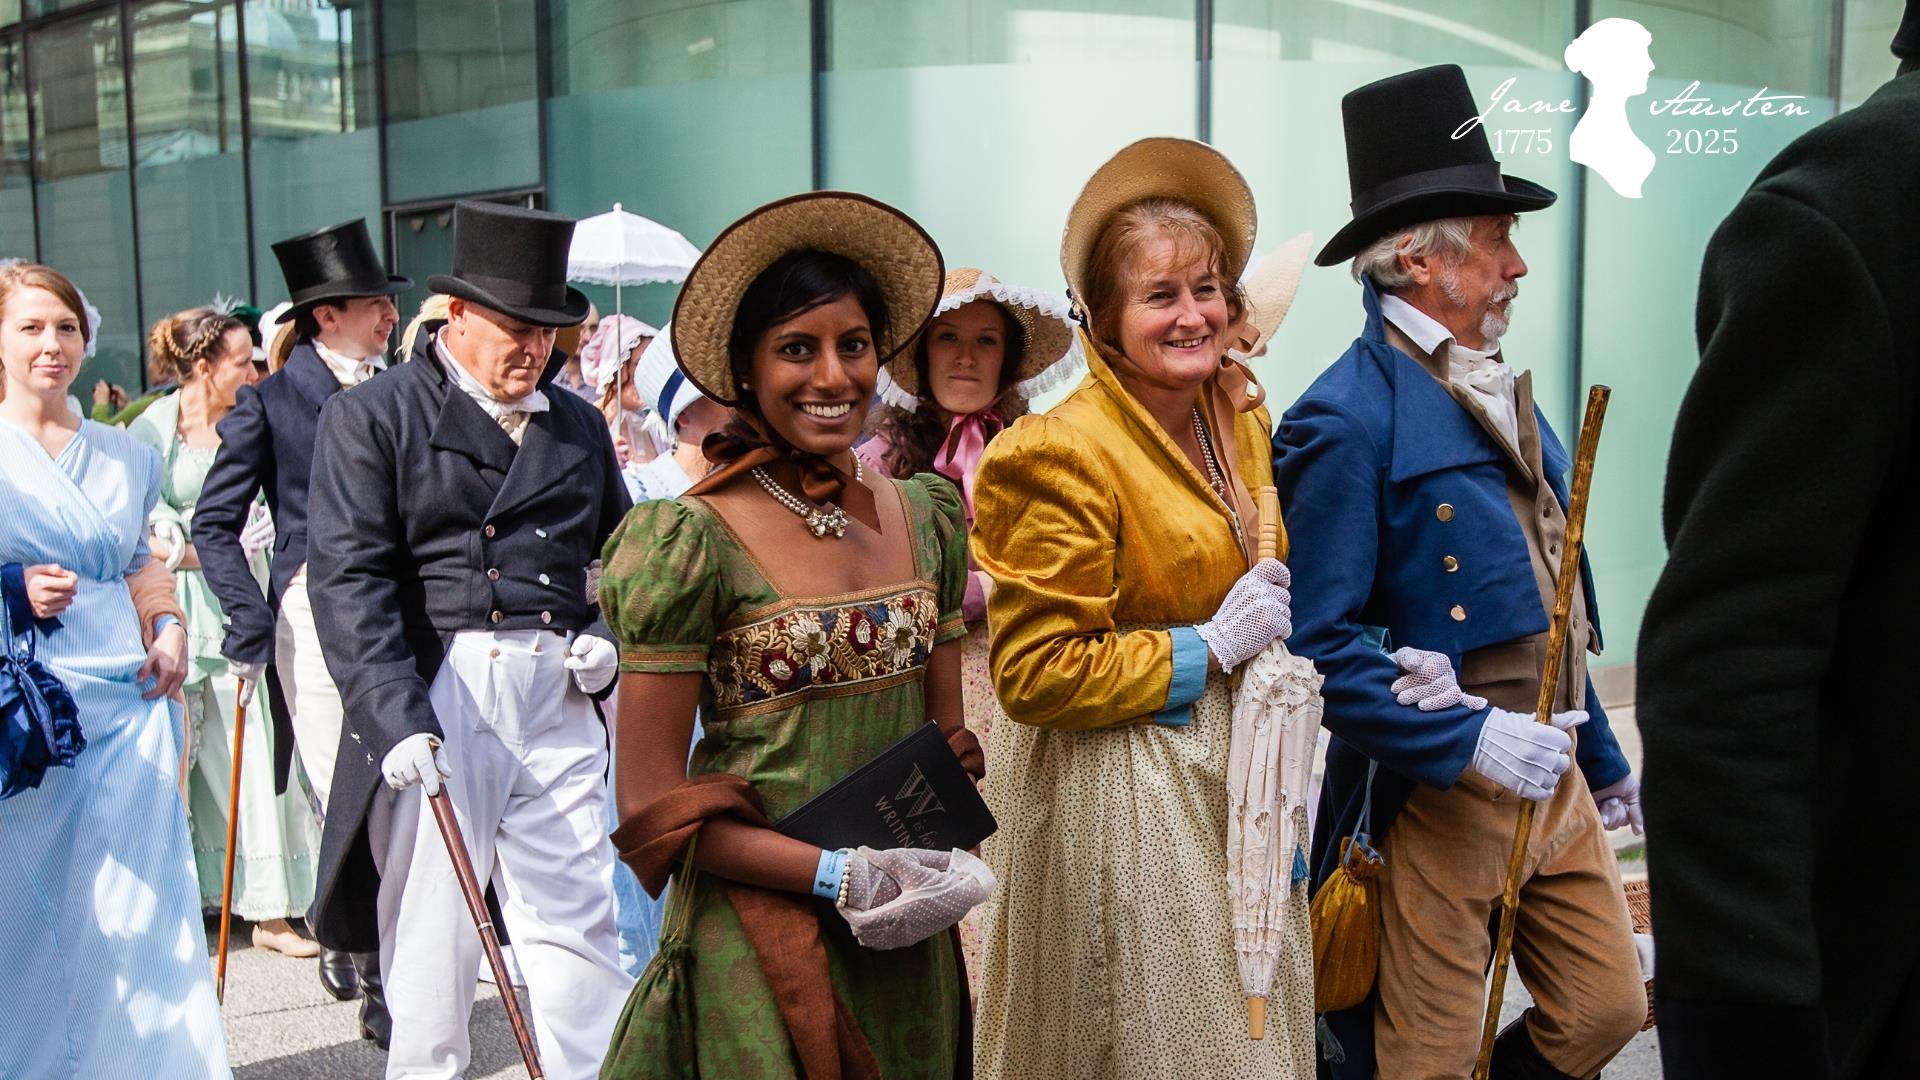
(233, 832)
(483, 922)
(1543, 712)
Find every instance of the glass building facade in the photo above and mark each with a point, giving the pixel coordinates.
(155, 149)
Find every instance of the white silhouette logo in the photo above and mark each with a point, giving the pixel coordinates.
(1613, 56)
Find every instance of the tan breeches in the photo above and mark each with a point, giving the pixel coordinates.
(1446, 861)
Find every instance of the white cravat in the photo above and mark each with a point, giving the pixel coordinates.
(351, 371)
(510, 415)
(1482, 374)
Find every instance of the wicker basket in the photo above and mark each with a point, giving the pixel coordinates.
(1640, 910)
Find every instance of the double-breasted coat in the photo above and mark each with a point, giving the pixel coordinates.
(428, 520)
(266, 444)
(1364, 462)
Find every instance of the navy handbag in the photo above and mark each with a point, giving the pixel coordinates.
(39, 721)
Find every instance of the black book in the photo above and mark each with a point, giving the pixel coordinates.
(912, 794)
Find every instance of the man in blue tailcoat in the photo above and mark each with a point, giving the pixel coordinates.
(1425, 498)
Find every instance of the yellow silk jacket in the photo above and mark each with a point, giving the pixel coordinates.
(1099, 534)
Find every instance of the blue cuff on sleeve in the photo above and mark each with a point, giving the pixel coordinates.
(160, 624)
(1189, 678)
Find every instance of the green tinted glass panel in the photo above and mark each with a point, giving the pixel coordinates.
(460, 85)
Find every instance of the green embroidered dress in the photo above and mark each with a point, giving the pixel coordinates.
(799, 691)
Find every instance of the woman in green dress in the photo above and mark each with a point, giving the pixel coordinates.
(210, 355)
(810, 609)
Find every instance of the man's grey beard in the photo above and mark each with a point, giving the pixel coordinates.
(1493, 324)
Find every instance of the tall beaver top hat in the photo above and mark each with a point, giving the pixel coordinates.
(513, 260)
(335, 263)
(1405, 164)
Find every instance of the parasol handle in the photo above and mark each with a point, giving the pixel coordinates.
(1267, 501)
(1589, 446)
(1256, 1018)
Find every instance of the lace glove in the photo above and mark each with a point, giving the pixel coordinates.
(1525, 757)
(415, 759)
(1429, 682)
(594, 662)
(1619, 805)
(171, 534)
(1257, 612)
(901, 896)
(257, 534)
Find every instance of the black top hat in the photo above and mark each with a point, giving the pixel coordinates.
(513, 260)
(1906, 40)
(1405, 165)
(335, 263)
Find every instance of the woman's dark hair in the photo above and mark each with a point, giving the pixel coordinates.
(915, 437)
(795, 284)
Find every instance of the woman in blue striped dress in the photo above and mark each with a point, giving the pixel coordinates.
(101, 944)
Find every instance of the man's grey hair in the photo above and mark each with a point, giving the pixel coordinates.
(1449, 238)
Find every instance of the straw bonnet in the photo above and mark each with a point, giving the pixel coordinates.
(1270, 287)
(1182, 169)
(1047, 357)
(891, 246)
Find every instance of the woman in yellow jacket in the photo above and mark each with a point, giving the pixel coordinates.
(1118, 529)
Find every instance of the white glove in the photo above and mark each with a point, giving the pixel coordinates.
(1619, 805)
(171, 534)
(1257, 612)
(1429, 682)
(905, 895)
(594, 662)
(1525, 757)
(415, 759)
(257, 534)
(245, 672)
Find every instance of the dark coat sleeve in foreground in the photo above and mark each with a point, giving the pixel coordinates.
(1775, 764)
(355, 540)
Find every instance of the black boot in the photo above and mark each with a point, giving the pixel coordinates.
(375, 1024)
(1516, 1058)
(338, 976)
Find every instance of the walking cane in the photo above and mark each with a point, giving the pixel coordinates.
(1543, 712)
(233, 831)
(483, 922)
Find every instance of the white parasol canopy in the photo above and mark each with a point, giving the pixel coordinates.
(1276, 722)
(620, 248)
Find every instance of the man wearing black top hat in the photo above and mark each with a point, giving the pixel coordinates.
(1425, 497)
(342, 312)
(1776, 656)
(457, 503)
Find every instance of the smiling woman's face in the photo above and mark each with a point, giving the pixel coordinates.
(1173, 316)
(813, 376)
(966, 348)
(40, 341)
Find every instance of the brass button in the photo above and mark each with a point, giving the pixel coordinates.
(495, 653)
(1459, 613)
(1444, 511)
(496, 616)
(1450, 563)
(546, 616)
(487, 532)
(493, 574)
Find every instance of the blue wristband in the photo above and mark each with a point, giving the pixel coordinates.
(826, 877)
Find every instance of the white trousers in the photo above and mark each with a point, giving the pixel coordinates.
(528, 761)
(312, 700)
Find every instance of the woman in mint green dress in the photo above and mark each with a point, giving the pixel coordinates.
(210, 354)
(810, 610)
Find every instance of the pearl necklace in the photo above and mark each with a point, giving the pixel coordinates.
(822, 521)
(1215, 478)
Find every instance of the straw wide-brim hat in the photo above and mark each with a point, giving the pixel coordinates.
(1182, 169)
(1270, 289)
(891, 246)
(1048, 356)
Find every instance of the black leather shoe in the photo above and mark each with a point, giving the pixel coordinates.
(375, 1024)
(338, 976)
(1516, 1058)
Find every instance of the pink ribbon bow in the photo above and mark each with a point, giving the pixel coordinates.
(959, 456)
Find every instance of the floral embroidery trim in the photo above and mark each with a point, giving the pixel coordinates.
(823, 650)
